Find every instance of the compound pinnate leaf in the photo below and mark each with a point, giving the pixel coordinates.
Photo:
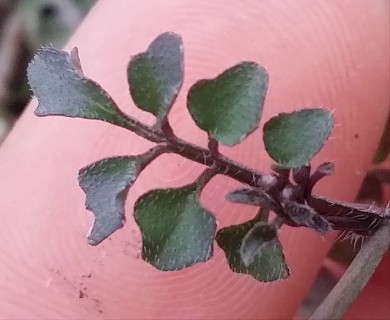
(270, 265)
(256, 241)
(255, 198)
(249, 196)
(57, 81)
(292, 139)
(156, 76)
(229, 107)
(106, 184)
(304, 215)
(325, 169)
(176, 230)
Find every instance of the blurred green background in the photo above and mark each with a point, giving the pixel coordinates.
(25, 26)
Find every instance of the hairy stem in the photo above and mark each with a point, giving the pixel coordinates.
(363, 219)
(222, 164)
(149, 133)
(356, 276)
(205, 177)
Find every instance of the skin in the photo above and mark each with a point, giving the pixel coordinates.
(327, 53)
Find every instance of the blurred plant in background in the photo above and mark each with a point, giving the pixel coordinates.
(26, 25)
